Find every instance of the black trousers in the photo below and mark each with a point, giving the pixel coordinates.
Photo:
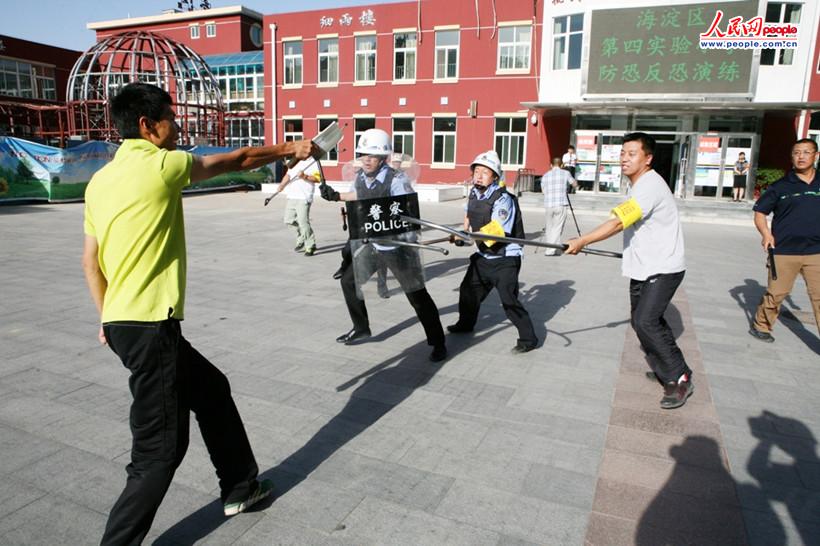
(502, 274)
(420, 300)
(649, 300)
(169, 379)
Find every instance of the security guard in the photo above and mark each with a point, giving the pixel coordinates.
(491, 209)
(377, 179)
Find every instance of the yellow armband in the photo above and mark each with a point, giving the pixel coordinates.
(493, 228)
(628, 212)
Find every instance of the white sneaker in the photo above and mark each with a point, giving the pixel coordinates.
(263, 490)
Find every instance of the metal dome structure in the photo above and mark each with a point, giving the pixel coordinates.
(140, 56)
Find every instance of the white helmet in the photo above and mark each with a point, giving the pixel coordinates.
(490, 160)
(374, 142)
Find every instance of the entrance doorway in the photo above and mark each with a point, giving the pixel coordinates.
(662, 162)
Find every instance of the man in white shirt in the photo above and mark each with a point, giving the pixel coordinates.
(554, 184)
(298, 186)
(569, 160)
(653, 260)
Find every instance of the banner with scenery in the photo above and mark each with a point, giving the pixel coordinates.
(35, 172)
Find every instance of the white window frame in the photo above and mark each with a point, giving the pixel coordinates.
(404, 135)
(363, 55)
(330, 56)
(194, 30)
(444, 135)
(328, 159)
(210, 29)
(292, 60)
(405, 51)
(513, 47)
(446, 50)
(356, 132)
(783, 56)
(565, 38)
(507, 139)
(287, 136)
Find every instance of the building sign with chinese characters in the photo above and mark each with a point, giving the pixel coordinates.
(656, 49)
(365, 19)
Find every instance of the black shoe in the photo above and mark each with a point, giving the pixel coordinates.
(352, 336)
(762, 336)
(339, 273)
(299, 247)
(675, 394)
(458, 329)
(384, 292)
(310, 251)
(521, 349)
(439, 353)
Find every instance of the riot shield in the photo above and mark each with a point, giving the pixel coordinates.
(381, 243)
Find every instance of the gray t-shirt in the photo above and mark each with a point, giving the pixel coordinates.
(654, 243)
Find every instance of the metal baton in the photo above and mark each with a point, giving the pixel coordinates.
(393, 242)
(772, 266)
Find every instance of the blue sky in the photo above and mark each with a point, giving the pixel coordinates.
(62, 22)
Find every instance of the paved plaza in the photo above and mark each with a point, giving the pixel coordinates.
(373, 444)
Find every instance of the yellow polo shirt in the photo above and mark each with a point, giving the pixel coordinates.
(133, 207)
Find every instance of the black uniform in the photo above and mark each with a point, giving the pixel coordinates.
(405, 265)
(500, 273)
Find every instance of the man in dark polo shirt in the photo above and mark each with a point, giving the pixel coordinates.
(794, 236)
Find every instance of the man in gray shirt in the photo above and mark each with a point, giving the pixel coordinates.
(653, 260)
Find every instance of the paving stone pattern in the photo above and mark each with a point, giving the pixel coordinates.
(373, 444)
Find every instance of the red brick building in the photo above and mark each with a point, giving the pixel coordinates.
(446, 78)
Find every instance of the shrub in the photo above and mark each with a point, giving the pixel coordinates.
(767, 176)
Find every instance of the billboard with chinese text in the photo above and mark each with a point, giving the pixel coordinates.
(655, 50)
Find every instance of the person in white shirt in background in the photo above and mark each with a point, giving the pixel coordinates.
(298, 185)
(554, 185)
(569, 161)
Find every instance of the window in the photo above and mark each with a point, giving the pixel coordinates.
(404, 56)
(514, 47)
(27, 80)
(444, 141)
(293, 130)
(194, 32)
(44, 79)
(293, 62)
(331, 155)
(785, 13)
(210, 30)
(510, 139)
(568, 34)
(446, 54)
(329, 60)
(361, 125)
(366, 59)
(242, 86)
(403, 135)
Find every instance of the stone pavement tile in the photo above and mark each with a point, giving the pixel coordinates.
(105, 370)
(581, 391)
(507, 442)
(519, 516)
(277, 418)
(100, 400)
(694, 408)
(315, 504)
(15, 494)
(789, 448)
(789, 503)
(675, 422)
(376, 521)
(64, 424)
(50, 516)
(20, 448)
(266, 388)
(41, 383)
(469, 390)
(765, 529)
(281, 531)
(669, 476)
(606, 530)
(664, 514)
(560, 486)
(397, 483)
(661, 446)
(420, 406)
(537, 401)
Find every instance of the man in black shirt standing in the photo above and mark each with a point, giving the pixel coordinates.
(794, 236)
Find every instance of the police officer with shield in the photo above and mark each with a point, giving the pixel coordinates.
(494, 211)
(374, 181)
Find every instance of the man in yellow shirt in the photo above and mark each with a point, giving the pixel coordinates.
(134, 260)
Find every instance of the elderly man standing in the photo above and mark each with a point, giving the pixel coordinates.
(554, 185)
(794, 237)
